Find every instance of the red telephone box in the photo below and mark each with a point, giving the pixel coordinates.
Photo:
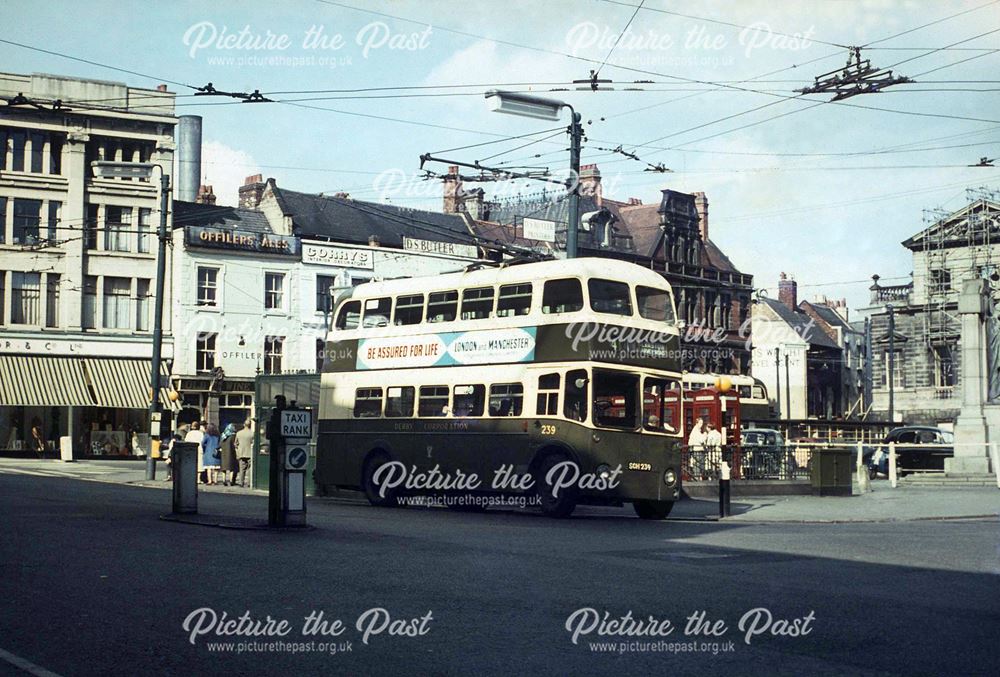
(721, 410)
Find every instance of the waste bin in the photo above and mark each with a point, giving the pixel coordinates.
(66, 448)
(184, 468)
(832, 471)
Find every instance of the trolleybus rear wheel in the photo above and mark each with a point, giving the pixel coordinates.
(371, 488)
(652, 510)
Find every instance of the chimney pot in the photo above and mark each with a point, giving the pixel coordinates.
(161, 88)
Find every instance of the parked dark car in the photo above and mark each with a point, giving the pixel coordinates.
(917, 448)
(765, 456)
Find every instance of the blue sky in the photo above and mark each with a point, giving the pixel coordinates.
(778, 201)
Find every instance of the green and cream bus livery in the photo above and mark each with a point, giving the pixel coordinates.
(557, 379)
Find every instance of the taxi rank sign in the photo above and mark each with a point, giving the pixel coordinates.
(296, 423)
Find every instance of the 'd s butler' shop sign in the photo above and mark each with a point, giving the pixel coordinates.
(241, 240)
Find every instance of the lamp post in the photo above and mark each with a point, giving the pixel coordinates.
(514, 103)
(145, 170)
(892, 362)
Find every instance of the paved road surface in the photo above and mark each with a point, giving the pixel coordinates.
(93, 583)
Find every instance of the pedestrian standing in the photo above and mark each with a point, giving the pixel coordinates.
(244, 452)
(195, 435)
(696, 449)
(713, 444)
(228, 449)
(211, 456)
(38, 438)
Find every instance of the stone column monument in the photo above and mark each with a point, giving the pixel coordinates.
(972, 430)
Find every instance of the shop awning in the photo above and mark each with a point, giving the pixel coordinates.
(124, 383)
(43, 381)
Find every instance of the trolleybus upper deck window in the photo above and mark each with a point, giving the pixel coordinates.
(349, 316)
(477, 303)
(562, 296)
(615, 399)
(409, 309)
(548, 395)
(433, 401)
(399, 401)
(368, 403)
(608, 296)
(654, 304)
(442, 306)
(377, 312)
(469, 400)
(506, 399)
(515, 299)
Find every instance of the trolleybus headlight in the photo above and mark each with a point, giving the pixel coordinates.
(604, 471)
(669, 477)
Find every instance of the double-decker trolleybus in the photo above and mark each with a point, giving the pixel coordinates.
(539, 369)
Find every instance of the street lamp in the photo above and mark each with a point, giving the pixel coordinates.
(144, 170)
(524, 105)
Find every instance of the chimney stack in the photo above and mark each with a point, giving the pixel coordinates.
(206, 196)
(452, 191)
(590, 183)
(701, 206)
(788, 292)
(252, 191)
(161, 88)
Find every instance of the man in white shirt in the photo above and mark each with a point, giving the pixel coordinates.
(195, 434)
(696, 449)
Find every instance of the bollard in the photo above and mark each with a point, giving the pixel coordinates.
(892, 465)
(724, 490)
(864, 483)
(995, 458)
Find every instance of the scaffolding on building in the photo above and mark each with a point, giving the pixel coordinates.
(953, 252)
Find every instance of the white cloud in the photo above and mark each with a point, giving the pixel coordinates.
(224, 169)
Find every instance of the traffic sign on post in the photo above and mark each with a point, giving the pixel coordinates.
(297, 454)
(296, 423)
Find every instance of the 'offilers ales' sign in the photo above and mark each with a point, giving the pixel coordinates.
(241, 240)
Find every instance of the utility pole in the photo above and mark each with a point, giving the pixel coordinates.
(867, 384)
(161, 267)
(573, 183)
(892, 362)
(788, 388)
(777, 379)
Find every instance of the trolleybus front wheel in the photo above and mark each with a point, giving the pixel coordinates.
(564, 502)
(652, 510)
(372, 490)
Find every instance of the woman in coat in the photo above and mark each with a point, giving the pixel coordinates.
(211, 458)
(228, 460)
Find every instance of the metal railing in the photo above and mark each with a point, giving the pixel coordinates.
(778, 462)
